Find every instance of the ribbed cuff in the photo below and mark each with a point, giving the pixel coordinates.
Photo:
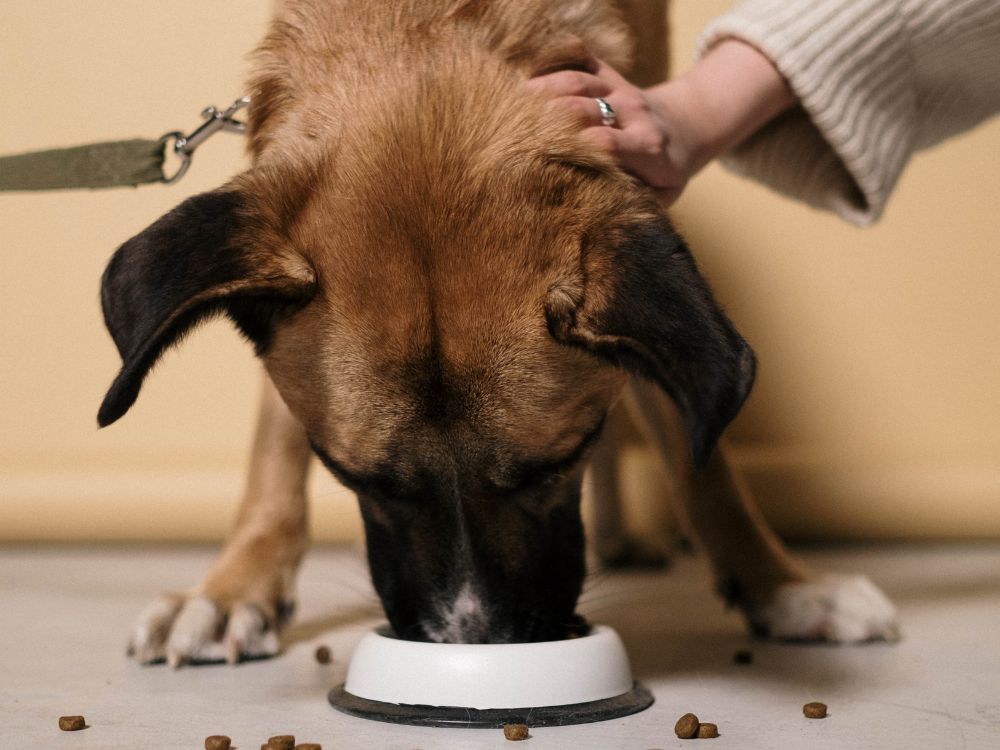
(845, 147)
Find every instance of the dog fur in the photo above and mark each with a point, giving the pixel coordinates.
(449, 290)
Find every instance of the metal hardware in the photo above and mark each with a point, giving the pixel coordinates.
(184, 145)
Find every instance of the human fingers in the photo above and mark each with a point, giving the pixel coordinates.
(587, 110)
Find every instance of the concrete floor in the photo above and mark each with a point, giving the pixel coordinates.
(65, 613)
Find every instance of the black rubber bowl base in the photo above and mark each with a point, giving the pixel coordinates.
(635, 700)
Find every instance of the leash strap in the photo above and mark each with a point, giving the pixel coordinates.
(115, 163)
(98, 165)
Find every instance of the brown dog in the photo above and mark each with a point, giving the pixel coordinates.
(449, 290)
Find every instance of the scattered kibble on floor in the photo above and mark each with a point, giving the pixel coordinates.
(743, 656)
(814, 710)
(323, 654)
(686, 727)
(707, 731)
(218, 742)
(515, 732)
(281, 742)
(72, 723)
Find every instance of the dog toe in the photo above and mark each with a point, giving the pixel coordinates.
(249, 635)
(833, 608)
(193, 637)
(148, 642)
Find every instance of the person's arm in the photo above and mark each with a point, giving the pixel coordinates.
(873, 81)
(726, 97)
(876, 80)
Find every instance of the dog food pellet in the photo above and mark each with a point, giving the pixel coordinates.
(814, 710)
(308, 746)
(281, 742)
(323, 655)
(217, 742)
(686, 726)
(72, 723)
(515, 732)
(743, 657)
(707, 731)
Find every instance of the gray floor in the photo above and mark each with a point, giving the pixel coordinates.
(64, 614)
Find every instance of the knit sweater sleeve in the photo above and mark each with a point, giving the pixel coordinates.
(876, 80)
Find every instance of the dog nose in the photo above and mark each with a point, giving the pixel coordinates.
(461, 618)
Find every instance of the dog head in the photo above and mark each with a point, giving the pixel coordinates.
(449, 296)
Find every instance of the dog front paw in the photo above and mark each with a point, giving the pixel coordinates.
(832, 608)
(196, 629)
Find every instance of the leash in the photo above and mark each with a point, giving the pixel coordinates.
(127, 163)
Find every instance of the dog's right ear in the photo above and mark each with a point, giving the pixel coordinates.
(206, 256)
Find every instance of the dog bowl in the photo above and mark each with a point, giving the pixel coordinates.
(488, 685)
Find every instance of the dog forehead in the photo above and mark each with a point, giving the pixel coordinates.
(428, 368)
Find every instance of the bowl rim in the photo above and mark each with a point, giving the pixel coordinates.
(387, 669)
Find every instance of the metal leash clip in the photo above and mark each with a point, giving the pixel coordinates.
(185, 145)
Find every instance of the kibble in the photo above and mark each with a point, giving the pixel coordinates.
(281, 742)
(72, 723)
(814, 710)
(686, 727)
(323, 655)
(217, 742)
(515, 732)
(707, 731)
(308, 746)
(743, 657)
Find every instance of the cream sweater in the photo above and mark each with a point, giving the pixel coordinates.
(877, 81)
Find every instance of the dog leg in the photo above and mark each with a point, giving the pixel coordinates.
(777, 593)
(248, 594)
(614, 545)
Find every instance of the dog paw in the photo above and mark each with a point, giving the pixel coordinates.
(198, 630)
(833, 608)
(633, 552)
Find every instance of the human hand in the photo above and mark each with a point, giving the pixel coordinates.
(648, 138)
(665, 134)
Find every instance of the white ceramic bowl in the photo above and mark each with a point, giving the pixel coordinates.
(593, 667)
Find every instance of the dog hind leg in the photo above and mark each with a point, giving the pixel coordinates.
(248, 595)
(613, 544)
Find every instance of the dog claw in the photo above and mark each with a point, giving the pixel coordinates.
(233, 651)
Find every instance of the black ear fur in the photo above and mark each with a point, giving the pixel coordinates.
(193, 262)
(640, 302)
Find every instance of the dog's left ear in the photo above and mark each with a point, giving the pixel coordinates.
(639, 301)
(209, 255)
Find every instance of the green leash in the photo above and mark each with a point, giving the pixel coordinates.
(115, 163)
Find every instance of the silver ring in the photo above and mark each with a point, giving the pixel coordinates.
(609, 118)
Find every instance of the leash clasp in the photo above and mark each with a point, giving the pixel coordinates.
(215, 120)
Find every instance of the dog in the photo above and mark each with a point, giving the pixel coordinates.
(449, 290)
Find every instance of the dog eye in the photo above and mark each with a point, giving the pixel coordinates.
(533, 479)
(543, 474)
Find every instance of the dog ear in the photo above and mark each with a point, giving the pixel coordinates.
(202, 258)
(639, 301)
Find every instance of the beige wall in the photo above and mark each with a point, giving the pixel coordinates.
(876, 412)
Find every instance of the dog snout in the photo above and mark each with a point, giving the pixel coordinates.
(476, 572)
